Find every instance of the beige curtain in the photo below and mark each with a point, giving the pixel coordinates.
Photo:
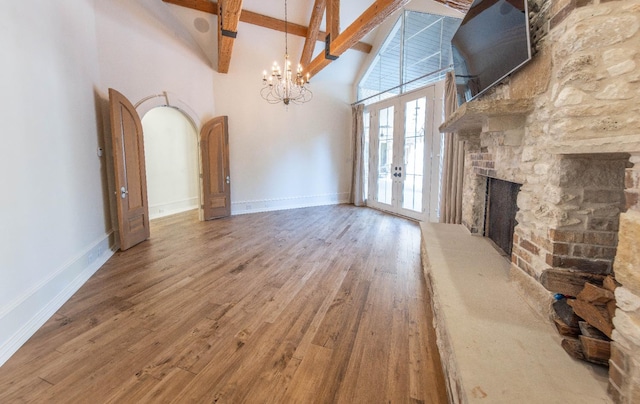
(453, 170)
(357, 196)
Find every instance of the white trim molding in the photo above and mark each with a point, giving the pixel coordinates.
(167, 99)
(20, 319)
(268, 205)
(171, 208)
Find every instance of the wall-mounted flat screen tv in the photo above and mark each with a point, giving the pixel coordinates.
(491, 43)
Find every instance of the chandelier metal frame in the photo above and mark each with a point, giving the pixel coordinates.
(285, 86)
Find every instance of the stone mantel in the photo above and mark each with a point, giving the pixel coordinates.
(474, 116)
(613, 144)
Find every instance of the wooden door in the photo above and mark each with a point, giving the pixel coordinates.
(130, 174)
(216, 180)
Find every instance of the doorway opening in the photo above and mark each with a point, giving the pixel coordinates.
(404, 154)
(172, 162)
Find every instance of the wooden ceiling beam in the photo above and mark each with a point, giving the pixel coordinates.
(333, 18)
(272, 23)
(228, 19)
(313, 31)
(362, 47)
(261, 20)
(368, 20)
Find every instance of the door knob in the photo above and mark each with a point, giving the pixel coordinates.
(228, 180)
(123, 192)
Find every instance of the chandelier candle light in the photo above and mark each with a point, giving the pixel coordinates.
(284, 86)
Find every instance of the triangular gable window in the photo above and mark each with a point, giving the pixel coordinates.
(418, 44)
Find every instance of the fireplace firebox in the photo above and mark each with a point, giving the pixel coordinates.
(500, 215)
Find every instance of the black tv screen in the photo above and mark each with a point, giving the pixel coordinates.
(491, 43)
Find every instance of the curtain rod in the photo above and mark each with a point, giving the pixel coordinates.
(404, 84)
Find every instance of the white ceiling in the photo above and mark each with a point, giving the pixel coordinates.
(201, 26)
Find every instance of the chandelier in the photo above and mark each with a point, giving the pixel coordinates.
(283, 85)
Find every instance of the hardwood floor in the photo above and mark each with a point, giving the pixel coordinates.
(316, 305)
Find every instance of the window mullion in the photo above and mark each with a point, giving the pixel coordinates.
(401, 65)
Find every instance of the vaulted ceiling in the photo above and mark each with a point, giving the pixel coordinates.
(331, 12)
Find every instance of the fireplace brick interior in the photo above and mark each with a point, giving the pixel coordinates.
(567, 127)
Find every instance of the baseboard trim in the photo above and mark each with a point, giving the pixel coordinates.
(171, 208)
(20, 319)
(269, 205)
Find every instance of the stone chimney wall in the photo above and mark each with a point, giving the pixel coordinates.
(569, 218)
(576, 152)
(624, 366)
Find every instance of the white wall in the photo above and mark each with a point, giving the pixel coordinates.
(279, 159)
(55, 74)
(59, 59)
(55, 230)
(143, 50)
(171, 157)
(283, 157)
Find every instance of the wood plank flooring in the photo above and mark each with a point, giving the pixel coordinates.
(315, 305)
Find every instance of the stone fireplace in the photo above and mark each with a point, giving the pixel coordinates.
(567, 128)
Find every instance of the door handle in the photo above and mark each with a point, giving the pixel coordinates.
(123, 192)
(228, 180)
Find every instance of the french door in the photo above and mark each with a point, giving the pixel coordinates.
(404, 150)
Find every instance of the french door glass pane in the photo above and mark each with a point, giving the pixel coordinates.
(385, 155)
(414, 154)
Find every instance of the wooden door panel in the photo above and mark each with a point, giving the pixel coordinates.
(130, 173)
(135, 224)
(216, 163)
(132, 159)
(218, 202)
(214, 144)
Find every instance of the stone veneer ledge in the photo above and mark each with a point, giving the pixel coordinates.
(493, 346)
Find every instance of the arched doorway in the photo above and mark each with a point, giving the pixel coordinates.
(171, 158)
